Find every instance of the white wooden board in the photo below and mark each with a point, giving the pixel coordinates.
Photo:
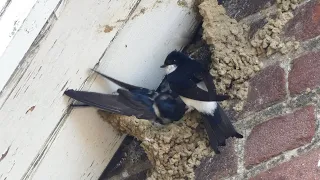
(13, 14)
(52, 143)
(20, 24)
(75, 43)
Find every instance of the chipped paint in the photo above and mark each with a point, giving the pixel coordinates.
(182, 3)
(108, 28)
(120, 20)
(4, 8)
(30, 109)
(23, 19)
(5, 154)
(64, 86)
(25, 62)
(60, 7)
(142, 11)
(156, 4)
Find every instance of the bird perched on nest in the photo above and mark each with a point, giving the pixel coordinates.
(157, 106)
(194, 84)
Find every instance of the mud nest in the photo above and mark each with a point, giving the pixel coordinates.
(174, 150)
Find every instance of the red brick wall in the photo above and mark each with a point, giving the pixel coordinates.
(279, 120)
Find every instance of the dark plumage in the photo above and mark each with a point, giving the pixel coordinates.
(184, 76)
(136, 101)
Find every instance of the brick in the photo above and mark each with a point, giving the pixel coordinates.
(306, 22)
(219, 166)
(239, 9)
(304, 73)
(280, 134)
(266, 88)
(255, 26)
(304, 167)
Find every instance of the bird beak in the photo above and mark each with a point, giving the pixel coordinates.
(163, 66)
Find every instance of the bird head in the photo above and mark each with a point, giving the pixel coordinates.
(169, 107)
(173, 60)
(165, 102)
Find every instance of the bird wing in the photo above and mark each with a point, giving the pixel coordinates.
(210, 94)
(135, 100)
(197, 93)
(111, 103)
(164, 86)
(184, 82)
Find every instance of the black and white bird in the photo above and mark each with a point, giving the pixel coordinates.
(160, 107)
(194, 84)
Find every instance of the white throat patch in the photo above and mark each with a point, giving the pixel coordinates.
(156, 110)
(170, 68)
(206, 107)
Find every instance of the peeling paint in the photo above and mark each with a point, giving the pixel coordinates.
(5, 154)
(26, 89)
(65, 84)
(45, 30)
(91, 163)
(108, 28)
(4, 8)
(12, 167)
(30, 109)
(19, 71)
(156, 4)
(60, 7)
(182, 3)
(120, 20)
(142, 11)
(34, 165)
(16, 24)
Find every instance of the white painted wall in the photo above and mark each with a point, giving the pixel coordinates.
(12, 18)
(53, 141)
(20, 24)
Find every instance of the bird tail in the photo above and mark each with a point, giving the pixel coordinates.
(97, 100)
(106, 102)
(119, 83)
(219, 128)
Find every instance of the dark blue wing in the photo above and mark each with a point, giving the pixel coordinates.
(136, 100)
(184, 81)
(112, 103)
